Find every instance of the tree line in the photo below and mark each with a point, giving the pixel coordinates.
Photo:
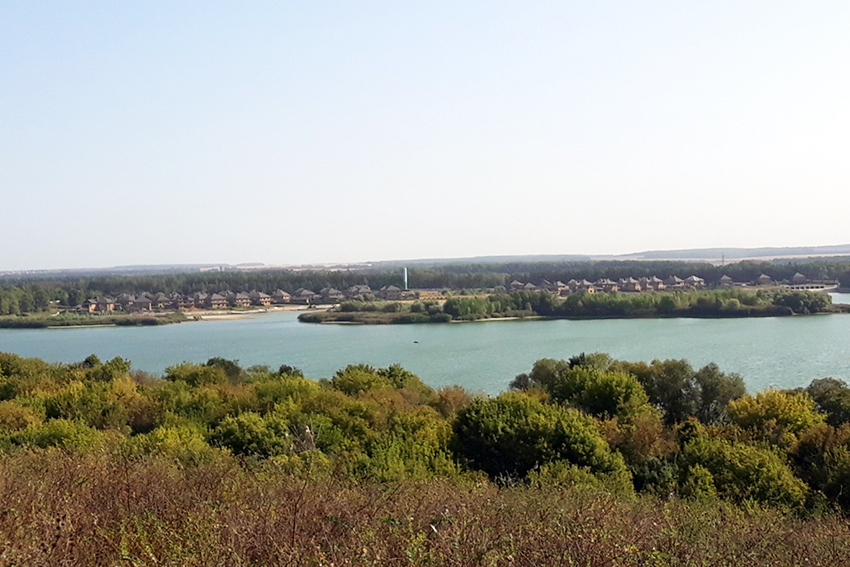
(31, 294)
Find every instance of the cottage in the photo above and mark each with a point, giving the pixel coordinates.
(607, 285)
(303, 296)
(389, 292)
(516, 285)
(216, 301)
(239, 299)
(140, 303)
(280, 296)
(799, 279)
(260, 298)
(694, 281)
(358, 291)
(725, 281)
(629, 284)
(764, 279)
(674, 282)
(331, 295)
(561, 288)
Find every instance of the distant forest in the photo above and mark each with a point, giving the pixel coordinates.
(26, 294)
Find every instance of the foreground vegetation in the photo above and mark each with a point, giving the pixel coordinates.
(588, 461)
(693, 303)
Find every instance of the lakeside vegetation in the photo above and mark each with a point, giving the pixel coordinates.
(589, 461)
(734, 302)
(42, 320)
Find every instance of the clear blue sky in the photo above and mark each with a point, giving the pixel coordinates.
(296, 132)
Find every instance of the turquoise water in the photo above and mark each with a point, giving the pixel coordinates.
(485, 356)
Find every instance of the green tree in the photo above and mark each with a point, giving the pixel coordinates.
(513, 433)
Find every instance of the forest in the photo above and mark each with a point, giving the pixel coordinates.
(586, 461)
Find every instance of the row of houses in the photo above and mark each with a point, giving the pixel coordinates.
(608, 285)
(798, 281)
(221, 300)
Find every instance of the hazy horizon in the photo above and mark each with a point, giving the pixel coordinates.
(196, 133)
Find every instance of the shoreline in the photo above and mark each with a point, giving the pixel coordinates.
(120, 319)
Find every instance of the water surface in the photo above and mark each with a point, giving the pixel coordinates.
(783, 351)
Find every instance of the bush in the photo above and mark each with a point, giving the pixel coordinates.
(739, 471)
(775, 414)
(512, 434)
(250, 433)
(63, 433)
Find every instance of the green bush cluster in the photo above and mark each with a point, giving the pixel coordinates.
(660, 428)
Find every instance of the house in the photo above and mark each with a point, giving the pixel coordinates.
(529, 287)
(88, 306)
(764, 279)
(280, 296)
(331, 295)
(358, 291)
(260, 298)
(140, 303)
(655, 283)
(799, 279)
(389, 292)
(201, 299)
(674, 282)
(161, 301)
(216, 301)
(561, 288)
(239, 299)
(586, 286)
(629, 284)
(515, 285)
(694, 281)
(607, 285)
(303, 296)
(183, 302)
(573, 284)
(725, 281)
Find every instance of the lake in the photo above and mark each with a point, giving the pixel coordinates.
(784, 352)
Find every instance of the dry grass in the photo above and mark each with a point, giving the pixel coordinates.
(106, 510)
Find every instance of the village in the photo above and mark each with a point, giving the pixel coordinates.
(150, 302)
(147, 302)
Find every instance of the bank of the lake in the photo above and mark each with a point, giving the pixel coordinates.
(690, 303)
(780, 351)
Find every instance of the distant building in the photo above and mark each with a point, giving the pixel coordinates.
(280, 296)
(260, 298)
(764, 279)
(303, 296)
(389, 292)
(331, 295)
(725, 281)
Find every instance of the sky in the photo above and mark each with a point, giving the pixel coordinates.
(310, 132)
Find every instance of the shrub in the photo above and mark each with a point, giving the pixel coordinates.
(513, 433)
(739, 471)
